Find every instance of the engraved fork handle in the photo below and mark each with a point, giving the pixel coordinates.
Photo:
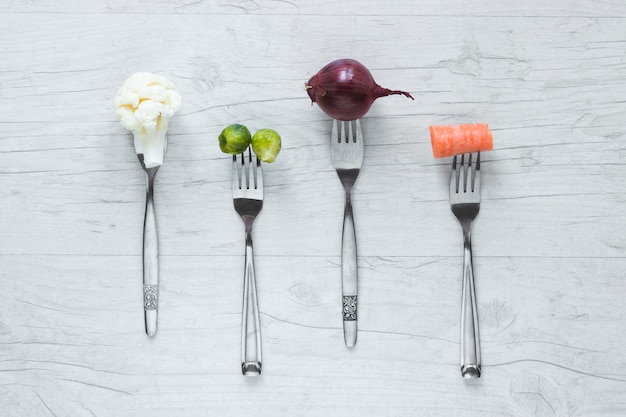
(150, 259)
(251, 360)
(470, 341)
(349, 275)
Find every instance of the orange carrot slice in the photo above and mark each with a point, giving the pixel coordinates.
(455, 140)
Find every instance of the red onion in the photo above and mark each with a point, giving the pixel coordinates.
(345, 89)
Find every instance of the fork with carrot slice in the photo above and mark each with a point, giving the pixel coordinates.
(465, 204)
(465, 142)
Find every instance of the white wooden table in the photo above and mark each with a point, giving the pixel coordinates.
(549, 242)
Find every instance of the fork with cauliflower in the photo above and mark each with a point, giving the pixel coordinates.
(145, 103)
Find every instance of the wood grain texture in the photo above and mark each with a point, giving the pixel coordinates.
(549, 241)
(531, 8)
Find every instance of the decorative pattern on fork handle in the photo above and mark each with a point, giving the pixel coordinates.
(150, 297)
(349, 308)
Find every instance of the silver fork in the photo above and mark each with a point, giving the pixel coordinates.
(346, 150)
(150, 253)
(248, 201)
(465, 204)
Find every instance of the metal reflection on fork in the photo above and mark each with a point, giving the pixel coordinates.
(346, 150)
(465, 204)
(248, 202)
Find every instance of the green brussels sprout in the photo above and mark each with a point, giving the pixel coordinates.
(266, 144)
(234, 139)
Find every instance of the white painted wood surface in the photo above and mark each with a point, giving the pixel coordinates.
(549, 242)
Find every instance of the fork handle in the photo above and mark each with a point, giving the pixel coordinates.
(150, 263)
(470, 341)
(349, 276)
(251, 361)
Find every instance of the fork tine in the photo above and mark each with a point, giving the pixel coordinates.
(247, 164)
(476, 178)
(236, 175)
(253, 171)
(466, 170)
(243, 168)
(335, 137)
(358, 135)
(469, 173)
(472, 172)
(454, 177)
(259, 175)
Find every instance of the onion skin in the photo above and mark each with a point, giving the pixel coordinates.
(345, 89)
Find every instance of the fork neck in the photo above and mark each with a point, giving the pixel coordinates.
(348, 192)
(248, 221)
(347, 183)
(348, 178)
(466, 225)
(150, 174)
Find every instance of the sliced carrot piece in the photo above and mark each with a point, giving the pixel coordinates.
(455, 140)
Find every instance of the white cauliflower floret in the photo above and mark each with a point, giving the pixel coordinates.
(145, 103)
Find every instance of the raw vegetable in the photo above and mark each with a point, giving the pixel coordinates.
(235, 139)
(345, 89)
(455, 140)
(145, 103)
(266, 144)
